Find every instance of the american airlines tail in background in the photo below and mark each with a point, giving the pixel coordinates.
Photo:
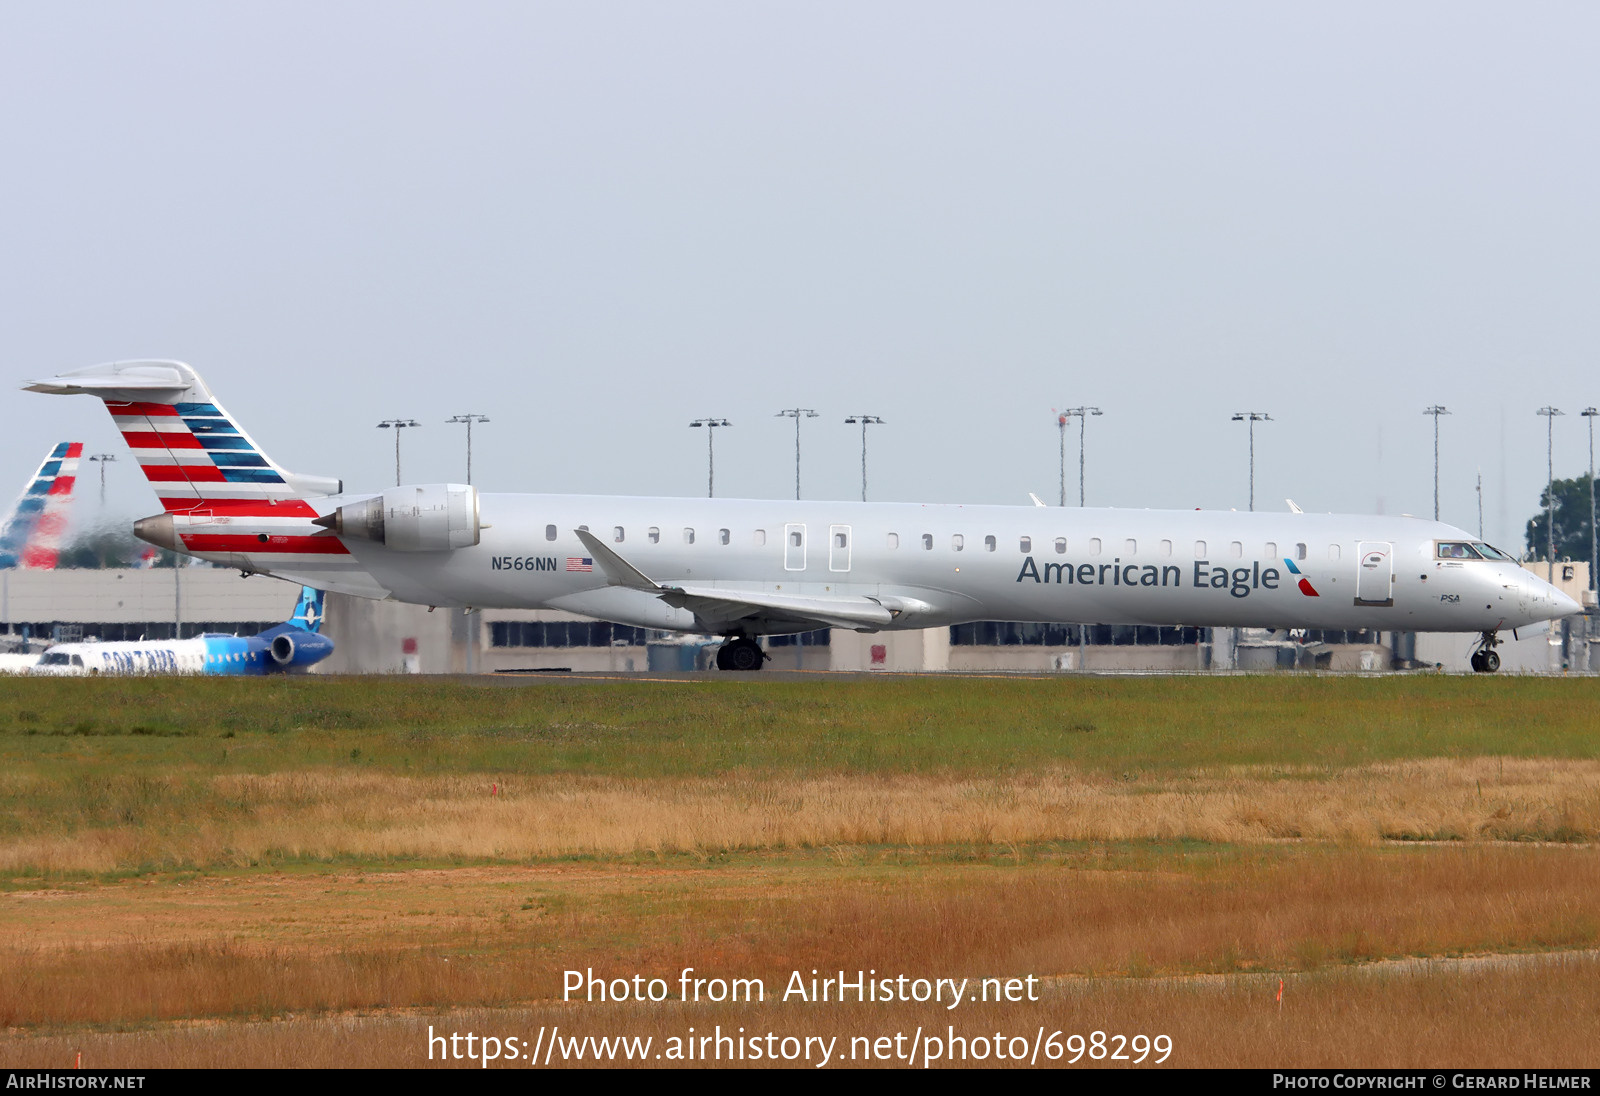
(31, 535)
(746, 568)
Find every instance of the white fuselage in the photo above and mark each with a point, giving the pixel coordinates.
(944, 564)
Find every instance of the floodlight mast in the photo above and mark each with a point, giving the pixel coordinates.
(102, 459)
(1252, 417)
(865, 421)
(1436, 410)
(1550, 414)
(1594, 556)
(711, 457)
(398, 425)
(796, 413)
(1082, 414)
(469, 418)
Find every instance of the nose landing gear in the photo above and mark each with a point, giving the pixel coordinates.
(1485, 660)
(740, 653)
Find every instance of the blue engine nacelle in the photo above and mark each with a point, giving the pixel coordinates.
(295, 648)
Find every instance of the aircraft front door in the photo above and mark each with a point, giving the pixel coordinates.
(1375, 573)
(839, 548)
(794, 547)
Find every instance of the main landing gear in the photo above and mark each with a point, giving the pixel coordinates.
(1484, 659)
(740, 653)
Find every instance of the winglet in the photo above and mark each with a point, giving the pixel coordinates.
(1035, 499)
(617, 569)
(1293, 508)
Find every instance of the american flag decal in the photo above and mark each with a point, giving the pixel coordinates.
(580, 563)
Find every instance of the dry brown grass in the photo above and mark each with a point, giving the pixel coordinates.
(267, 944)
(1545, 1013)
(325, 814)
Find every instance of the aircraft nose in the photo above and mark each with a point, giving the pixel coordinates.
(1564, 606)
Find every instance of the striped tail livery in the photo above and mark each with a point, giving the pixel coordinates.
(31, 535)
(223, 499)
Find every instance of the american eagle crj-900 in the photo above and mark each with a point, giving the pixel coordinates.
(743, 568)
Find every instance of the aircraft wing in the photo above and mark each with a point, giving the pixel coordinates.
(717, 607)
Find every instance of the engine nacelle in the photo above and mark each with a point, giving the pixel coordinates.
(432, 517)
(298, 648)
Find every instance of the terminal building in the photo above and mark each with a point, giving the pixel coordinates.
(390, 637)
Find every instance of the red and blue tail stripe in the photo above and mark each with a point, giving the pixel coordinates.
(32, 534)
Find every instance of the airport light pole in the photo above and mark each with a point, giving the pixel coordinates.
(1480, 504)
(1550, 414)
(1594, 556)
(865, 421)
(1252, 417)
(711, 459)
(469, 418)
(1082, 414)
(796, 413)
(398, 425)
(102, 459)
(1436, 410)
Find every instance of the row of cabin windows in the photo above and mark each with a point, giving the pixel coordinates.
(958, 543)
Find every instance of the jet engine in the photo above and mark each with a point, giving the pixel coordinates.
(298, 647)
(432, 517)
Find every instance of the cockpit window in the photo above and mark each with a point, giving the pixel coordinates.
(1455, 549)
(1491, 552)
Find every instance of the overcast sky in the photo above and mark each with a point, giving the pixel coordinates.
(594, 222)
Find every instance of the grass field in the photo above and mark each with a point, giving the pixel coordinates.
(354, 859)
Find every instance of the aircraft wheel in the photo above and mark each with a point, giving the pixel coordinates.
(741, 654)
(1491, 661)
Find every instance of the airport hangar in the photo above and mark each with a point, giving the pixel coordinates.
(390, 637)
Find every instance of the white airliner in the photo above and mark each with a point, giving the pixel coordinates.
(744, 568)
(290, 647)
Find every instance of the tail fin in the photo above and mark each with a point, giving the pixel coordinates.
(308, 610)
(191, 450)
(31, 534)
(223, 498)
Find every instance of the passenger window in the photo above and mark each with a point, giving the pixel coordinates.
(1300, 551)
(957, 542)
(724, 536)
(549, 532)
(688, 535)
(1333, 551)
(616, 534)
(1236, 550)
(988, 544)
(760, 538)
(584, 528)
(1166, 548)
(1199, 549)
(796, 538)
(1061, 546)
(655, 534)
(927, 541)
(1094, 546)
(1025, 545)
(840, 541)
(1131, 548)
(1271, 549)
(894, 540)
